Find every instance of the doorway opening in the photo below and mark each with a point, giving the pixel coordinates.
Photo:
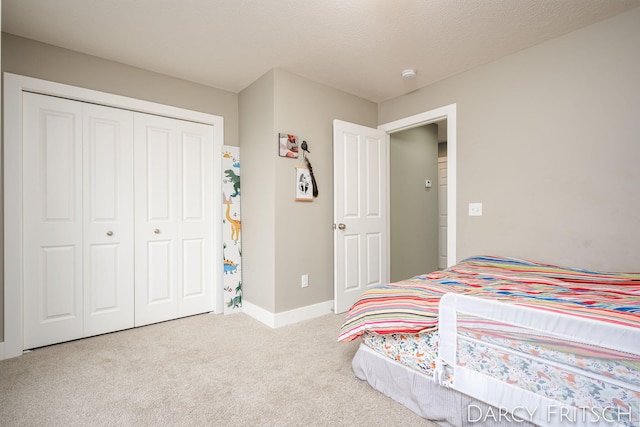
(417, 194)
(446, 114)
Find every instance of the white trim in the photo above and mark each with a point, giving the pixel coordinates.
(45, 87)
(14, 85)
(277, 320)
(447, 112)
(303, 313)
(12, 161)
(258, 313)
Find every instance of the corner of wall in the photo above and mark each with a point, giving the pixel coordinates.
(258, 146)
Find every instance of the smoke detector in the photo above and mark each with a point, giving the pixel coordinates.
(409, 73)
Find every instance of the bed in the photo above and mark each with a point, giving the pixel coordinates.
(497, 341)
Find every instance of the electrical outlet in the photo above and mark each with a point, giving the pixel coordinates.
(304, 280)
(475, 209)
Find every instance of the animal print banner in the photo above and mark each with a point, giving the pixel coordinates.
(231, 228)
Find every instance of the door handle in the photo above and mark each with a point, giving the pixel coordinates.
(157, 231)
(109, 233)
(342, 226)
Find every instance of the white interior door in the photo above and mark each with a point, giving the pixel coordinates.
(174, 218)
(156, 207)
(52, 206)
(195, 222)
(108, 219)
(78, 219)
(360, 164)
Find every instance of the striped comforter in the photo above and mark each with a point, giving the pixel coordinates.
(412, 305)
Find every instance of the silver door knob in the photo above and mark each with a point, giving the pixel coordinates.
(342, 226)
(157, 231)
(109, 233)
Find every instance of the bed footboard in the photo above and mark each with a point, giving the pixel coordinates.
(539, 364)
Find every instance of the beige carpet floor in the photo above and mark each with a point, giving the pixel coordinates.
(206, 370)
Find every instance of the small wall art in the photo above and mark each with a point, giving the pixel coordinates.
(304, 187)
(288, 145)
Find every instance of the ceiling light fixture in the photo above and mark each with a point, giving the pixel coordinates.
(408, 73)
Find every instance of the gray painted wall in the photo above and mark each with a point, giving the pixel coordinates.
(257, 162)
(44, 61)
(294, 238)
(413, 158)
(549, 142)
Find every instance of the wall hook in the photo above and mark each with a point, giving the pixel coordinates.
(305, 148)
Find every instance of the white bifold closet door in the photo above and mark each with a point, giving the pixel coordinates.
(78, 219)
(117, 217)
(173, 218)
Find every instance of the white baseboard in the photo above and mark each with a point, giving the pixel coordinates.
(276, 320)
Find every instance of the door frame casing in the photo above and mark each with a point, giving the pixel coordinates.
(444, 160)
(14, 86)
(447, 112)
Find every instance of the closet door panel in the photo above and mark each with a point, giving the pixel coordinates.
(156, 188)
(174, 218)
(108, 219)
(160, 167)
(195, 225)
(102, 294)
(193, 177)
(159, 272)
(52, 215)
(193, 266)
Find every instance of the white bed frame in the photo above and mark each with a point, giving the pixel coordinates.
(525, 404)
(458, 396)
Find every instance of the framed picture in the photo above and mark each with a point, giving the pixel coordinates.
(288, 145)
(304, 189)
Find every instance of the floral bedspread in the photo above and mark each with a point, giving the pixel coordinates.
(604, 382)
(415, 351)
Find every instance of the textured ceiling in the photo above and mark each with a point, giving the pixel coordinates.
(358, 46)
